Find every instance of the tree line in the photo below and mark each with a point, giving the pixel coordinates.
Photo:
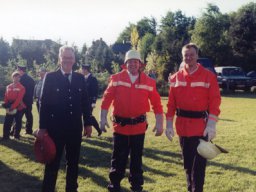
(227, 39)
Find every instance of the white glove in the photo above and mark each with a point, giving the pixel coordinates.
(169, 129)
(210, 129)
(159, 124)
(103, 120)
(93, 105)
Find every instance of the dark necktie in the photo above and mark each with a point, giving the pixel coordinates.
(66, 75)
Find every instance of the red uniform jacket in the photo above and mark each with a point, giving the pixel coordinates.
(14, 94)
(131, 100)
(196, 92)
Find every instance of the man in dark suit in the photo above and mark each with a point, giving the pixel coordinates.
(29, 85)
(92, 88)
(64, 101)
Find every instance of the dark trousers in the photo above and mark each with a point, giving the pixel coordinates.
(194, 164)
(95, 123)
(8, 121)
(123, 146)
(28, 114)
(38, 105)
(71, 143)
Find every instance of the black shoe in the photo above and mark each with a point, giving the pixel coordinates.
(17, 137)
(136, 189)
(99, 133)
(112, 188)
(28, 133)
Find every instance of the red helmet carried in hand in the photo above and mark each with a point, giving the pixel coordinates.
(44, 149)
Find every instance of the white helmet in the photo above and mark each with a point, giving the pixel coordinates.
(209, 150)
(132, 54)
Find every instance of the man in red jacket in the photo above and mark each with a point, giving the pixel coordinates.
(130, 92)
(13, 103)
(195, 97)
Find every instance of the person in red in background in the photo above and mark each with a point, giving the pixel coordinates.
(13, 105)
(130, 92)
(195, 97)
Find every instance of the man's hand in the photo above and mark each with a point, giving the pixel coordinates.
(210, 129)
(103, 120)
(93, 105)
(40, 133)
(169, 129)
(87, 131)
(159, 125)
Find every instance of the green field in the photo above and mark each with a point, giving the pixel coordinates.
(163, 172)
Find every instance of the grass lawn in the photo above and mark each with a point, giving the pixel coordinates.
(163, 172)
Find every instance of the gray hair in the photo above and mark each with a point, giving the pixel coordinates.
(64, 48)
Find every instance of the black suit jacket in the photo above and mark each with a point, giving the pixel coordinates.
(63, 104)
(92, 88)
(29, 85)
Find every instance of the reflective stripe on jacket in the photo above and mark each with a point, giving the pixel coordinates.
(131, 100)
(196, 92)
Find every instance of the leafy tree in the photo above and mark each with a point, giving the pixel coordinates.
(83, 54)
(125, 36)
(146, 44)
(242, 34)
(115, 67)
(210, 34)
(146, 25)
(100, 56)
(173, 35)
(5, 52)
(134, 38)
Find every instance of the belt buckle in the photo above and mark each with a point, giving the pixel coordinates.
(133, 121)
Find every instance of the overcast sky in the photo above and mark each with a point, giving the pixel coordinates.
(82, 21)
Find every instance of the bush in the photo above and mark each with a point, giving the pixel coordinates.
(103, 79)
(162, 87)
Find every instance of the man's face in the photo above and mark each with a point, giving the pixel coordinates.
(85, 71)
(16, 78)
(133, 66)
(42, 74)
(21, 72)
(67, 60)
(189, 56)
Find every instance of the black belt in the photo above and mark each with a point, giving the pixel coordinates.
(191, 114)
(129, 121)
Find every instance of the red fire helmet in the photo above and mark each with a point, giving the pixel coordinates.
(44, 149)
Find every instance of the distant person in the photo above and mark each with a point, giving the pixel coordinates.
(29, 85)
(152, 74)
(64, 102)
(195, 98)
(92, 88)
(131, 92)
(38, 86)
(14, 105)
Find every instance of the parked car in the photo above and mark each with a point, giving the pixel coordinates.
(233, 78)
(252, 75)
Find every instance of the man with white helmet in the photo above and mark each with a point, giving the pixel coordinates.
(130, 92)
(195, 98)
